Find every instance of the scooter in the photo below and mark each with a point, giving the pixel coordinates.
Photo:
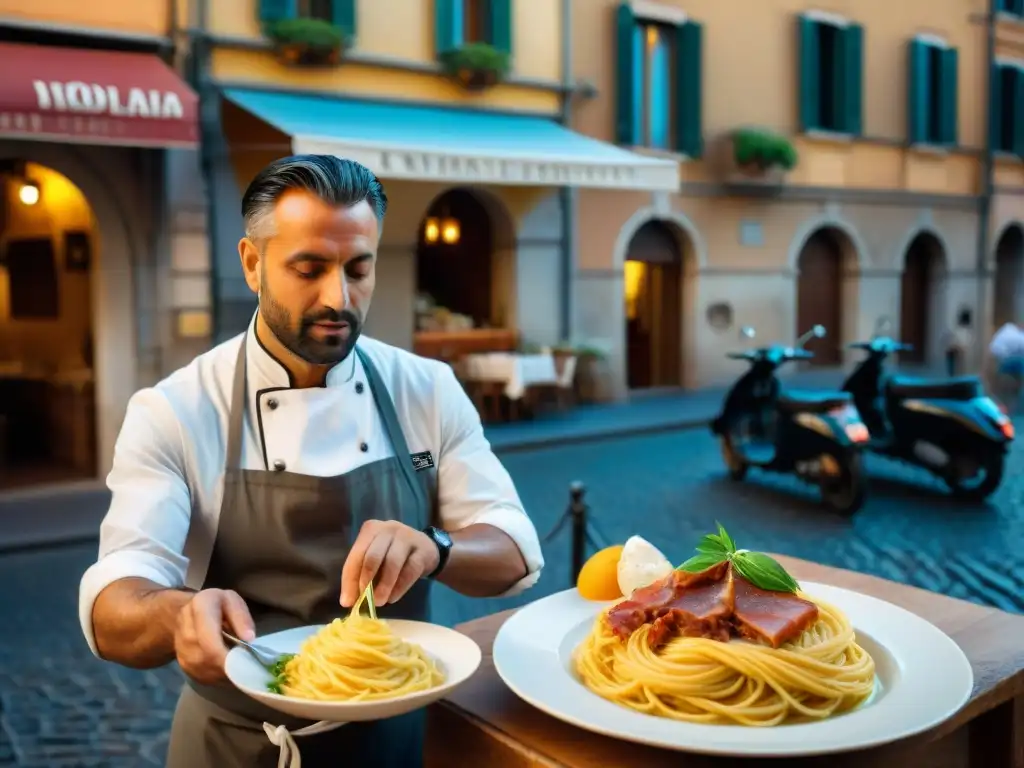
(947, 426)
(817, 436)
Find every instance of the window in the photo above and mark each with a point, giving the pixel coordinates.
(831, 64)
(1016, 7)
(1008, 107)
(932, 93)
(659, 82)
(473, 21)
(317, 9)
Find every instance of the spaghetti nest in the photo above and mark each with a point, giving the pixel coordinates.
(821, 673)
(358, 659)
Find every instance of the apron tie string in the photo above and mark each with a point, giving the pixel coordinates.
(282, 738)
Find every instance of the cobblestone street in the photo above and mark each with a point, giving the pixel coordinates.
(61, 707)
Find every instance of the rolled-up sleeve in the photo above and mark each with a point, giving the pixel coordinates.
(144, 531)
(473, 486)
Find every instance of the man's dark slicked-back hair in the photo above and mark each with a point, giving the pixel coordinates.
(334, 180)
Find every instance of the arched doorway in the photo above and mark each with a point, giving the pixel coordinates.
(455, 269)
(48, 242)
(654, 306)
(1008, 304)
(922, 310)
(819, 295)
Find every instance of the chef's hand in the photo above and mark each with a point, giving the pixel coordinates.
(198, 643)
(392, 555)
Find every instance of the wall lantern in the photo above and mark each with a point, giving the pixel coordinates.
(447, 230)
(28, 193)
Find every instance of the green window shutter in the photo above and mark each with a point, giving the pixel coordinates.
(949, 106)
(343, 14)
(1017, 106)
(810, 75)
(918, 92)
(278, 10)
(689, 91)
(445, 38)
(501, 20)
(852, 67)
(626, 85)
(995, 108)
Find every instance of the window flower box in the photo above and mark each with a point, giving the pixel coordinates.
(476, 66)
(308, 42)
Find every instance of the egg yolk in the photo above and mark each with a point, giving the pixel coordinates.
(598, 578)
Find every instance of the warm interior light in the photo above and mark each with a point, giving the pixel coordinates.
(431, 230)
(634, 280)
(29, 193)
(652, 37)
(451, 231)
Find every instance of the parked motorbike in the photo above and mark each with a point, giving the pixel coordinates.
(947, 426)
(815, 435)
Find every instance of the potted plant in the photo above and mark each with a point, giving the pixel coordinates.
(476, 66)
(593, 381)
(757, 150)
(309, 42)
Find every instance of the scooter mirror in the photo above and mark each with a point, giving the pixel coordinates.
(819, 331)
(747, 332)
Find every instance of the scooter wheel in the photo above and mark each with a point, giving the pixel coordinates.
(845, 494)
(734, 463)
(992, 466)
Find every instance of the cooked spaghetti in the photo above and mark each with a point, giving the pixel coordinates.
(797, 661)
(358, 659)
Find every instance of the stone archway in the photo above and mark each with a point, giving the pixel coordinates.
(658, 268)
(112, 285)
(824, 260)
(923, 298)
(1008, 299)
(465, 262)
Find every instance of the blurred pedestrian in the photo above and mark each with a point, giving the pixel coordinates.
(1007, 354)
(958, 343)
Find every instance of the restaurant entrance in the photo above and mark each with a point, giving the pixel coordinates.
(47, 400)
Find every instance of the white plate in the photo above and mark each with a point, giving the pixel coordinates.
(457, 656)
(922, 678)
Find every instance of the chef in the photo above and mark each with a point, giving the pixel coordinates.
(265, 484)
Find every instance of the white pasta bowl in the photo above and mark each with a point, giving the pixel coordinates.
(457, 656)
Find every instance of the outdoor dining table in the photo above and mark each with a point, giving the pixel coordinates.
(484, 725)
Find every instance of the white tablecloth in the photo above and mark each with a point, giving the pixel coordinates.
(517, 372)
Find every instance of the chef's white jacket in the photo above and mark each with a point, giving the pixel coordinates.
(167, 478)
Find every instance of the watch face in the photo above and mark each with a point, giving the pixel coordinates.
(442, 537)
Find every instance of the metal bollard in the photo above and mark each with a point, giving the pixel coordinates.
(578, 515)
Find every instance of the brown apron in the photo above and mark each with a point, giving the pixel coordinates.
(281, 543)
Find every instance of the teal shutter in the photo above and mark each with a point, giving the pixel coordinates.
(1015, 106)
(501, 20)
(810, 75)
(626, 85)
(343, 14)
(995, 108)
(278, 10)
(918, 92)
(949, 99)
(445, 38)
(689, 91)
(852, 68)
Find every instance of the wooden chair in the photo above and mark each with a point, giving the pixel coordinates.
(559, 394)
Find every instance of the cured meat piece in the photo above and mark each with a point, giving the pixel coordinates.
(687, 604)
(772, 618)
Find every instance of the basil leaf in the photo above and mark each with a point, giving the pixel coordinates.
(730, 545)
(764, 572)
(702, 562)
(712, 545)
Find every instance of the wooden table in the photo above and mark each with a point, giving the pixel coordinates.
(485, 725)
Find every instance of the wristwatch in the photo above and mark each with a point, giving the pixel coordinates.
(444, 548)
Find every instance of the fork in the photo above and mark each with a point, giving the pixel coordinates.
(263, 655)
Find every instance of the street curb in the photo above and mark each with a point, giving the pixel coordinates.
(538, 443)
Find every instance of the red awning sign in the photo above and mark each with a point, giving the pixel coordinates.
(94, 97)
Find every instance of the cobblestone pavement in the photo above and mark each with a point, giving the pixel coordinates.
(60, 707)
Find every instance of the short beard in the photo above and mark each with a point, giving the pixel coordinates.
(298, 340)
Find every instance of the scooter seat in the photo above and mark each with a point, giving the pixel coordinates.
(813, 402)
(959, 388)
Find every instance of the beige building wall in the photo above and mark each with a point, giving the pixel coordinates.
(742, 243)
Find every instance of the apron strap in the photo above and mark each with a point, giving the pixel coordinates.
(386, 406)
(236, 416)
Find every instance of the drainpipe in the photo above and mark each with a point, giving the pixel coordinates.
(209, 128)
(985, 199)
(567, 195)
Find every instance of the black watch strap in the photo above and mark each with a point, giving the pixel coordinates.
(444, 548)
